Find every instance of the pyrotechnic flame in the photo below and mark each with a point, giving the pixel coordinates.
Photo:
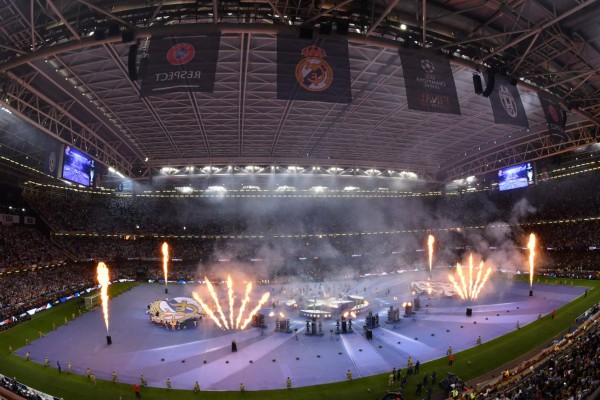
(281, 315)
(213, 294)
(462, 280)
(243, 306)
(261, 302)
(485, 278)
(165, 253)
(352, 314)
(345, 314)
(478, 280)
(207, 310)
(472, 290)
(456, 287)
(103, 281)
(430, 241)
(531, 246)
(471, 275)
(231, 299)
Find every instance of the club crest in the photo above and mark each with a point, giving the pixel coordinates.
(313, 73)
(508, 101)
(175, 309)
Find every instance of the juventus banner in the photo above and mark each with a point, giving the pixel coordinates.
(313, 70)
(555, 118)
(506, 103)
(429, 82)
(54, 157)
(181, 64)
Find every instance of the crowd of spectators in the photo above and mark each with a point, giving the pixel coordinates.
(24, 246)
(568, 369)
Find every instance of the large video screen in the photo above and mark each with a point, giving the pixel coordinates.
(78, 167)
(515, 177)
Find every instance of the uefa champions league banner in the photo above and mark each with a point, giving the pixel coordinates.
(181, 64)
(555, 118)
(313, 70)
(429, 82)
(506, 103)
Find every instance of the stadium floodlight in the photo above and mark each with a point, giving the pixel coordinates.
(470, 179)
(216, 189)
(350, 188)
(111, 169)
(184, 189)
(318, 189)
(403, 27)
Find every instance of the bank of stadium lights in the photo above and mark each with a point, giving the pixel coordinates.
(318, 189)
(285, 188)
(216, 189)
(335, 170)
(294, 168)
(168, 170)
(350, 188)
(184, 189)
(373, 172)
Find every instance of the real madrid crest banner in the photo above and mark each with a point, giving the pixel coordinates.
(506, 103)
(429, 82)
(555, 118)
(313, 70)
(181, 64)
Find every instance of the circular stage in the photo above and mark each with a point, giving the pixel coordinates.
(264, 358)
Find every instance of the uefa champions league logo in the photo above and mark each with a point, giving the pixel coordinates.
(427, 66)
(508, 101)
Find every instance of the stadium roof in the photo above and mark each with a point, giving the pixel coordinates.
(65, 70)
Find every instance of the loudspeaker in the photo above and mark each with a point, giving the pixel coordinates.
(113, 29)
(325, 28)
(342, 27)
(128, 36)
(369, 334)
(131, 62)
(477, 84)
(108, 340)
(564, 118)
(306, 33)
(469, 312)
(99, 35)
(489, 83)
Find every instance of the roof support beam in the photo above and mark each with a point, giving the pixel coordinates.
(63, 20)
(539, 29)
(278, 13)
(215, 11)
(325, 12)
(388, 10)
(105, 13)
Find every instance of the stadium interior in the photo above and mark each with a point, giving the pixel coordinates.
(301, 196)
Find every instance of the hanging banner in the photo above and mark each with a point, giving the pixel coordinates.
(506, 103)
(429, 82)
(313, 70)
(53, 158)
(555, 118)
(181, 64)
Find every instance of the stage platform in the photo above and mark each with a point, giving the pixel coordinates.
(265, 358)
